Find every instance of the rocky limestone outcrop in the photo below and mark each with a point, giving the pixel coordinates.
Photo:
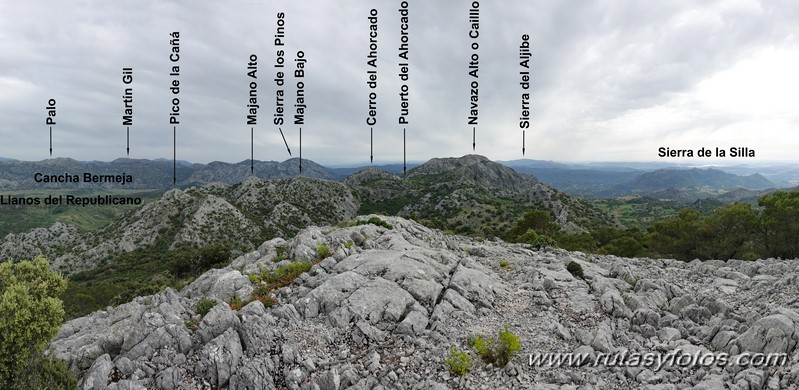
(384, 310)
(48, 242)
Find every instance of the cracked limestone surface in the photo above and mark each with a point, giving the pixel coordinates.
(385, 308)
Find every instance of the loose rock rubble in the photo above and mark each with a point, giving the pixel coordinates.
(384, 310)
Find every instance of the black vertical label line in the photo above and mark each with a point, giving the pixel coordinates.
(301, 150)
(174, 155)
(284, 140)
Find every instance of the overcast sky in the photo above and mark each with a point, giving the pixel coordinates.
(611, 80)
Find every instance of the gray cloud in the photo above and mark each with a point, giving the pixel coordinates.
(611, 80)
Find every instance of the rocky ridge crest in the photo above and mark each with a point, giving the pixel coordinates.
(242, 215)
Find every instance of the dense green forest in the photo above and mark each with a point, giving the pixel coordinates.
(738, 230)
(19, 219)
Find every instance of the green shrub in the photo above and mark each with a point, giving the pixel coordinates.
(528, 237)
(30, 316)
(498, 351)
(45, 372)
(575, 269)
(538, 221)
(504, 263)
(484, 347)
(235, 303)
(192, 324)
(204, 305)
(283, 275)
(509, 346)
(263, 294)
(375, 221)
(322, 251)
(543, 241)
(349, 244)
(281, 253)
(194, 261)
(458, 362)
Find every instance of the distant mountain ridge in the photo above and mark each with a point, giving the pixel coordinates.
(397, 169)
(153, 174)
(697, 178)
(687, 185)
(593, 179)
(668, 183)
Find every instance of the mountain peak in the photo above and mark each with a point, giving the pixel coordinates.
(472, 158)
(476, 169)
(369, 174)
(468, 159)
(697, 178)
(444, 164)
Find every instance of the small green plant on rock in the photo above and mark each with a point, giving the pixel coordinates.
(575, 269)
(281, 276)
(192, 324)
(509, 346)
(281, 253)
(484, 346)
(263, 294)
(322, 251)
(235, 303)
(204, 305)
(265, 281)
(504, 264)
(498, 351)
(459, 362)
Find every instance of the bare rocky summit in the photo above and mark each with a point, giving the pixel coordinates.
(47, 242)
(476, 169)
(384, 310)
